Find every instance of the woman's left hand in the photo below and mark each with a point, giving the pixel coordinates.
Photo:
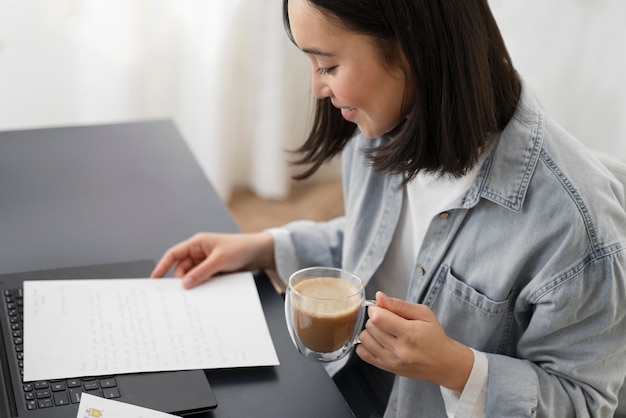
(407, 339)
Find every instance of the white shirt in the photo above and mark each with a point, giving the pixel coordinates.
(426, 196)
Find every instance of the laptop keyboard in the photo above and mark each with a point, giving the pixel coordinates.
(52, 393)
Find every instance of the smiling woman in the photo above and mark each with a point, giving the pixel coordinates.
(348, 69)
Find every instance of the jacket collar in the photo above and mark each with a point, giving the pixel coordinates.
(505, 175)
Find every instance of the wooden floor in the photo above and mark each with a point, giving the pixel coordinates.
(318, 202)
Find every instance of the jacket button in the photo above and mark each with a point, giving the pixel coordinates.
(395, 406)
(443, 215)
(421, 271)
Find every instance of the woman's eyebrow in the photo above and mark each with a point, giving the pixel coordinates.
(315, 51)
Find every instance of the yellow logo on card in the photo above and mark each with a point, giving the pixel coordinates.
(93, 412)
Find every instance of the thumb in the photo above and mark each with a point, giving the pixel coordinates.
(402, 308)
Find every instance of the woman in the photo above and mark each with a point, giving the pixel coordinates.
(492, 241)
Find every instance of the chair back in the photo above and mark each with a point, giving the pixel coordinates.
(615, 166)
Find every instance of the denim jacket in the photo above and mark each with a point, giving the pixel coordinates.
(529, 268)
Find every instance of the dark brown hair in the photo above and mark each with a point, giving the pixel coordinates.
(466, 88)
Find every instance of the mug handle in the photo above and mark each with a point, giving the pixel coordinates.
(366, 304)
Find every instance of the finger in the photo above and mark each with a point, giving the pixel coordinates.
(383, 331)
(370, 349)
(201, 272)
(402, 308)
(370, 342)
(163, 266)
(175, 253)
(182, 268)
(366, 344)
(390, 318)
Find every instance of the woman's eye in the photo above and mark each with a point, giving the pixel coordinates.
(325, 70)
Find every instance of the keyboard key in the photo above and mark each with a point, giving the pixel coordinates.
(41, 385)
(61, 398)
(41, 394)
(91, 385)
(28, 387)
(74, 383)
(108, 383)
(30, 405)
(44, 403)
(75, 395)
(58, 386)
(111, 393)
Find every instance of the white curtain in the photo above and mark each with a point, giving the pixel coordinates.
(573, 55)
(249, 95)
(225, 72)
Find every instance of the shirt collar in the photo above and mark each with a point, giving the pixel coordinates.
(505, 175)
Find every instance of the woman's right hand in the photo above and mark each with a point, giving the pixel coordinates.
(204, 255)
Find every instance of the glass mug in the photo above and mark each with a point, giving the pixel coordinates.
(325, 310)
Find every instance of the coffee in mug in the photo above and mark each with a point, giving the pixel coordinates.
(324, 309)
(325, 316)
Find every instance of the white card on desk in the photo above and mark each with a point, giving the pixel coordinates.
(94, 406)
(76, 328)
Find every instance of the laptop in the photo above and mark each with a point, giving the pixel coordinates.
(182, 393)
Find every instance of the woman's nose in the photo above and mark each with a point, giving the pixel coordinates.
(319, 87)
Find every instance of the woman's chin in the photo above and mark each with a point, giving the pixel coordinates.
(370, 133)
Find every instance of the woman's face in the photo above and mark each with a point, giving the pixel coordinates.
(350, 71)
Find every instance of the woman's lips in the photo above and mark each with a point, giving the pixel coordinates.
(348, 113)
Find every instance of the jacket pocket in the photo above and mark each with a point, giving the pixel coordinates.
(468, 316)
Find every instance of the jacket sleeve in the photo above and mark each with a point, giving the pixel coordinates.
(301, 244)
(304, 243)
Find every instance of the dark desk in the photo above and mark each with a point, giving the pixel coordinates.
(111, 193)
